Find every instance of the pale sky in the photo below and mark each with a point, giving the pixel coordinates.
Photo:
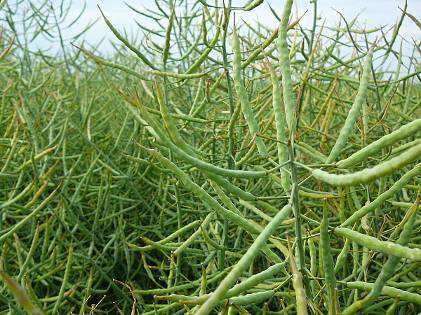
(372, 14)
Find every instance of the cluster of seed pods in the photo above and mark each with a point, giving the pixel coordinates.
(259, 171)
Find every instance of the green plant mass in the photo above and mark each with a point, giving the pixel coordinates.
(209, 163)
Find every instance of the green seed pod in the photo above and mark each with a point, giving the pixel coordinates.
(184, 155)
(206, 52)
(258, 51)
(252, 4)
(126, 43)
(252, 298)
(287, 86)
(242, 94)
(166, 52)
(328, 265)
(389, 267)
(255, 280)
(384, 196)
(403, 132)
(310, 151)
(300, 292)
(280, 125)
(354, 112)
(389, 291)
(67, 272)
(341, 259)
(244, 262)
(192, 237)
(250, 226)
(381, 246)
(369, 174)
(21, 295)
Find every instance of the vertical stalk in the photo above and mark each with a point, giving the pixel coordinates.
(230, 154)
(289, 104)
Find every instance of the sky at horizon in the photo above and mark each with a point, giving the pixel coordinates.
(371, 14)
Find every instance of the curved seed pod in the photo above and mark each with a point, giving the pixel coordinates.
(206, 52)
(192, 237)
(405, 146)
(395, 33)
(239, 288)
(36, 158)
(203, 27)
(387, 270)
(381, 246)
(255, 279)
(252, 4)
(191, 159)
(156, 131)
(179, 232)
(244, 262)
(170, 124)
(257, 51)
(403, 132)
(242, 94)
(212, 168)
(224, 198)
(313, 264)
(354, 112)
(22, 194)
(369, 174)
(389, 267)
(392, 308)
(175, 74)
(280, 125)
(30, 255)
(130, 71)
(392, 87)
(389, 291)
(300, 292)
(126, 42)
(64, 282)
(328, 266)
(20, 294)
(29, 216)
(212, 90)
(166, 52)
(196, 98)
(308, 193)
(287, 87)
(233, 189)
(190, 50)
(250, 226)
(212, 279)
(252, 298)
(384, 196)
(200, 192)
(6, 51)
(341, 259)
(310, 151)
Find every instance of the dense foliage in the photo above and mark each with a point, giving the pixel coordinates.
(209, 166)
